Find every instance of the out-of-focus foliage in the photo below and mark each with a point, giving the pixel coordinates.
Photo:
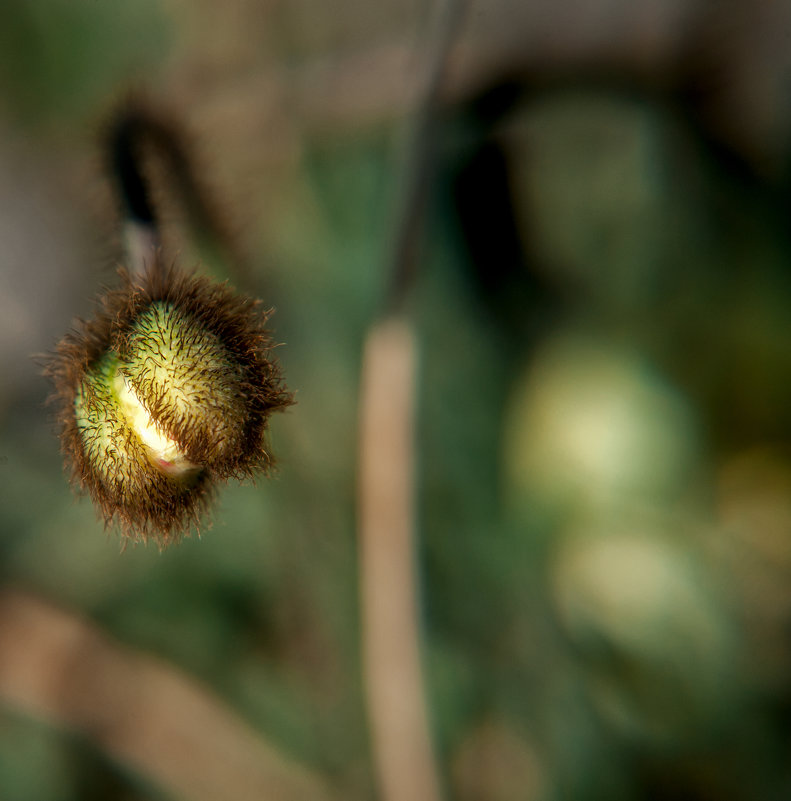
(604, 475)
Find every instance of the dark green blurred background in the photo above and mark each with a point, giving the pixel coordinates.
(604, 474)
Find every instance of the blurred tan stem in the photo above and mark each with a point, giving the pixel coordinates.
(142, 712)
(401, 742)
(397, 710)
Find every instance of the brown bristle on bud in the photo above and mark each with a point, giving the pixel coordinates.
(164, 393)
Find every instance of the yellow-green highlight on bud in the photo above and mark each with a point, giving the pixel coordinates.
(164, 394)
(192, 385)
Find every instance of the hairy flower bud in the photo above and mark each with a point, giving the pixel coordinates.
(167, 391)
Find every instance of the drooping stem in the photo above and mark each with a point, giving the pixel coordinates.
(140, 222)
(152, 158)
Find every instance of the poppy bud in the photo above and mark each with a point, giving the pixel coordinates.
(165, 393)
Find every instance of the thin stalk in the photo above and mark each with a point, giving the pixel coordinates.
(398, 716)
